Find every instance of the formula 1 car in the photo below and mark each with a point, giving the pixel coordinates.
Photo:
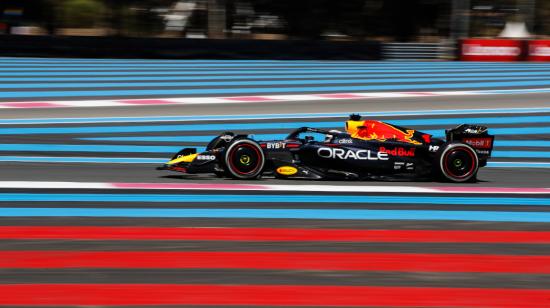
(368, 149)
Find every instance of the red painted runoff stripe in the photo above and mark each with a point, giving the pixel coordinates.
(406, 262)
(263, 295)
(272, 234)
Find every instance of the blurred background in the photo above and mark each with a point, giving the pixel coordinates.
(416, 29)
(387, 20)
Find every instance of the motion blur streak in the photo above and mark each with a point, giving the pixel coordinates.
(332, 261)
(276, 295)
(271, 234)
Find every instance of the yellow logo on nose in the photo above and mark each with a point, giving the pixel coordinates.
(245, 159)
(287, 170)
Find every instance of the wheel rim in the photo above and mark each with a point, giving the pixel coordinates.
(245, 159)
(459, 162)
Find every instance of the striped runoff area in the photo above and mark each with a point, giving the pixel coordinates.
(39, 83)
(261, 245)
(522, 135)
(86, 221)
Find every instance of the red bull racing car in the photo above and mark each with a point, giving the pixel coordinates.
(367, 149)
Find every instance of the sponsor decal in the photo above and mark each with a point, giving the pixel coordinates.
(474, 130)
(491, 50)
(381, 131)
(407, 152)
(287, 170)
(480, 143)
(539, 51)
(478, 50)
(345, 141)
(206, 157)
(402, 165)
(433, 148)
(226, 138)
(275, 145)
(482, 152)
(336, 153)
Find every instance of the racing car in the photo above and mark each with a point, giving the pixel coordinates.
(366, 150)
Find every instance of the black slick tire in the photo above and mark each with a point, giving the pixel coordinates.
(458, 163)
(244, 159)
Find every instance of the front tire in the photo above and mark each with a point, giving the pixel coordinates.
(458, 162)
(244, 159)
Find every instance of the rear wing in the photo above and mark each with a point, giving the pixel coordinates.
(476, 136)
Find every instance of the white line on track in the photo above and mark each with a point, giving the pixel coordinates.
(273, 116)
(279, 188)
(256, 98)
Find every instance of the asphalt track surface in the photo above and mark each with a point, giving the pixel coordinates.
(226, 246)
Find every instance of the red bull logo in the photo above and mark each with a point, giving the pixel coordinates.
(380, 131)
(403, 152)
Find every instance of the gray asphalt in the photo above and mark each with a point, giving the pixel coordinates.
(145, 173)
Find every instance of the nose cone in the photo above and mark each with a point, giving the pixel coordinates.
(163, 167)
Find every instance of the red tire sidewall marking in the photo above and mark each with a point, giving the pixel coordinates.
(472, 167)
(232, 153)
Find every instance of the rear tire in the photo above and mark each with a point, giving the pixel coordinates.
(244, 159)
(458, 162)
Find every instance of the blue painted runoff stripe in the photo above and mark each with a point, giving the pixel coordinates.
(332, 214)
(269, 198)
(256, 126)
(238, 64)
(161, 65)
(480, 120)
(38, 147)
(220, 63)
(507, 164)
(227, 64)
(167, 128)
(183, 84)
(522, 143)
(517, 91)
(497, 143)
(263, 66)
(162, 128)
(241, 76)
(373, 62)
(272, 116)
(502, 131)
(196, 72)
(245, 71)
(95, 160)
(522, 154)
(416, 76)
(181, 138)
